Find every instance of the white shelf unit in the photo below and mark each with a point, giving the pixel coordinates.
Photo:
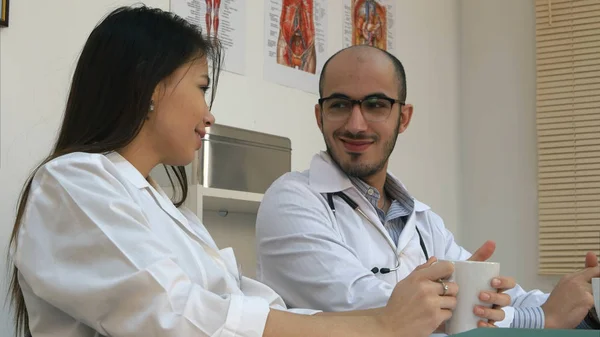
(201, 199)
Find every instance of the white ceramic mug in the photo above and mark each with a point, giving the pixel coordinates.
(596, 292)
(472, 278)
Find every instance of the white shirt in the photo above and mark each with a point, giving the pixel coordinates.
(101, 251)
(317, 259)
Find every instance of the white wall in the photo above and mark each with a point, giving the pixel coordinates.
(498, 137)
(426, 157)
(39, 50)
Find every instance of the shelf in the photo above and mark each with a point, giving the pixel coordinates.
(202, 199)
(216, 199)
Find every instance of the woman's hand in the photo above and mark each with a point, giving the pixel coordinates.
(419, 304)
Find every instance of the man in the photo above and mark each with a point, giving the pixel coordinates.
(324, 249)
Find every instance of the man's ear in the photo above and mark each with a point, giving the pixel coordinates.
(406, 112)
(319, 116)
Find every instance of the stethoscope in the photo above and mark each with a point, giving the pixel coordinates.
(355, 207)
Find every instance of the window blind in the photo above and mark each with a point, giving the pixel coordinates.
(568, 132)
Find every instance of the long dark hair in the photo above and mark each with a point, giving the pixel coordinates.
(125, 57)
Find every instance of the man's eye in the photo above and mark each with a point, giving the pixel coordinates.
(339, 104)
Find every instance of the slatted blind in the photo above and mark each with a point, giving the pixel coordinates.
(568, 132)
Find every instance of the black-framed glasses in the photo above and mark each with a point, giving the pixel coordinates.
(375, 108)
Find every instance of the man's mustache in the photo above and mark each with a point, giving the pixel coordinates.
(355, 136)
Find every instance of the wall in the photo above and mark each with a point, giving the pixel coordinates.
(39, 50)
(426, 156)
(498, 137)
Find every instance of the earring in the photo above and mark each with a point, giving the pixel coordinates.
(151, 105)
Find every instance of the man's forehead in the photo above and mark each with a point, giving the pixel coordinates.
(358, 56)
(370, 68)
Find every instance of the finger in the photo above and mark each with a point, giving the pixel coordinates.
(438, 288)
(484, 252)
(489, 313)
(439, 270)
(589, 273)
(499, 299)
(445, 314)
(447, 302)
(591, 260)
(503, 283)
(429, 262)
(483, 324)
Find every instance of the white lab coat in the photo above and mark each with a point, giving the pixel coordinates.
(103, 252)
(315, 259)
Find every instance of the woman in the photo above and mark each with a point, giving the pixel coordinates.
(99, 249)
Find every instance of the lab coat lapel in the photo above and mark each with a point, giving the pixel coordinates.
(326, 177)
(224, 257)
(408, 232)
(150, 186)
(162, 199)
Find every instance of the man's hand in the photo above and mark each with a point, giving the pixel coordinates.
(591, 260)
(496, 299)
(484, 252)
(572, 298)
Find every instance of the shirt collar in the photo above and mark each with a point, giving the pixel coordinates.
(326, 177)
(392, 187)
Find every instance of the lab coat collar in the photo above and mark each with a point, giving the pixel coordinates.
(128, 170)
(325, 176)
(139, 181)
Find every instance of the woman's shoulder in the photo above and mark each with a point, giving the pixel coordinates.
(77, 158)
(76, 166)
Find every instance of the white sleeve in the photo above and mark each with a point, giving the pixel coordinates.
(305, 260)
(86, 248)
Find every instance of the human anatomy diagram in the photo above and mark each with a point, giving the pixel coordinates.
(296, 42)
(369, 23)
(212, 17)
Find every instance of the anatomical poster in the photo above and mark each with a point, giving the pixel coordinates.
(225, 19)
(369, 22)
(295, 42)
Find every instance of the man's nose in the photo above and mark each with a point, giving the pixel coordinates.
(356, 121)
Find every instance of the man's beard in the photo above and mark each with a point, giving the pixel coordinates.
(359, 170)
